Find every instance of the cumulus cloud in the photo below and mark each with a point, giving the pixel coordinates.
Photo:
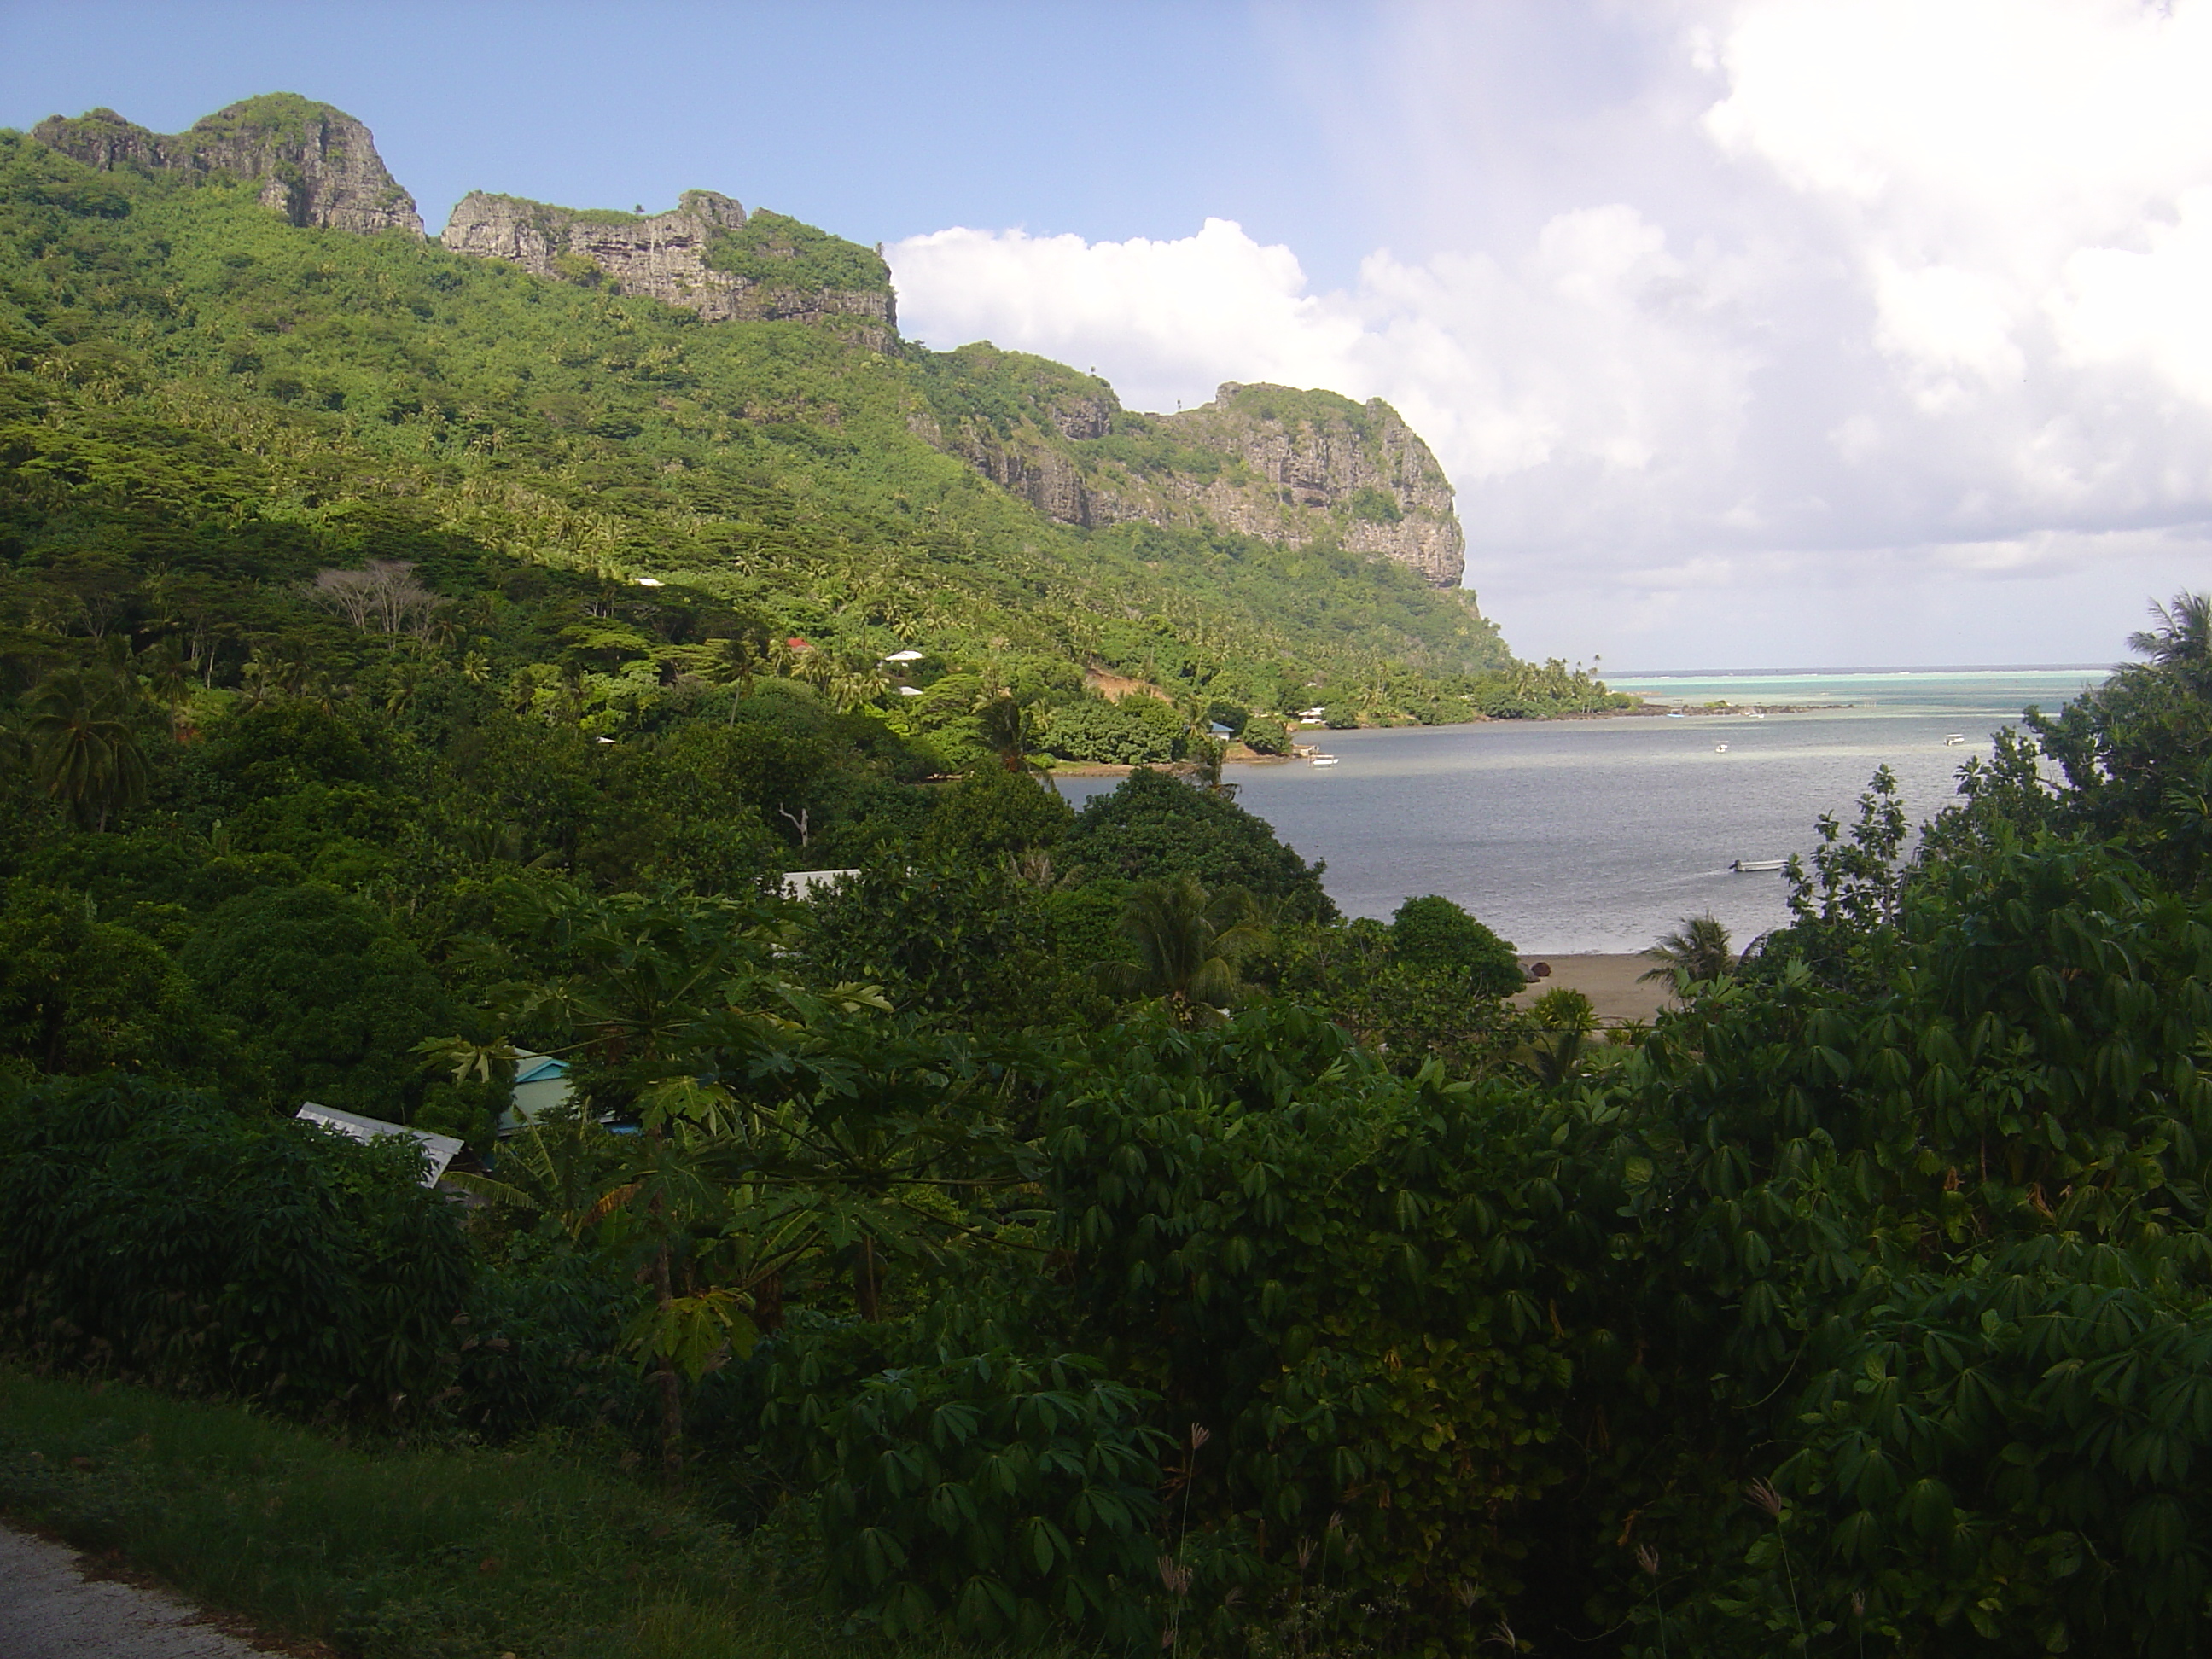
(1170, 316)
(1918, 305)
(2145, 307)
(1594, 352)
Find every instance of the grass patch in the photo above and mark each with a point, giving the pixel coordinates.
(382, 1551)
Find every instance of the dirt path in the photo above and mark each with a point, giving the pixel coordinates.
(49, 1609)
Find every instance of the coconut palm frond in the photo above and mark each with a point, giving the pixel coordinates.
(1698, 949)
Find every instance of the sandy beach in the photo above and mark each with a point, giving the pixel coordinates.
(1609, 982)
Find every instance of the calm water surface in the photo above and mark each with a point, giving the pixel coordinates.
(1602, 834)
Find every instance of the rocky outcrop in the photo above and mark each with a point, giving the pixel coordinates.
(1289, 466)
(317, 165)
(1017, 419)
(1301, 460)
(707, 254)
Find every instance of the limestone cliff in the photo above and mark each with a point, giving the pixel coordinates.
(707, 254)
(1290, 466)
(317, 165)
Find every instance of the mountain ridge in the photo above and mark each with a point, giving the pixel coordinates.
(316, 164)
(707, 254)
(196, 376)
(1287, 466)
(1290, 466)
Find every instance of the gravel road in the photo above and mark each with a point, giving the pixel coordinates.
(50, 1610)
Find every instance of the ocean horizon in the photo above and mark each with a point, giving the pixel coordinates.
(1859, 668)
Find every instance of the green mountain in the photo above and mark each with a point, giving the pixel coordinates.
(230, 362)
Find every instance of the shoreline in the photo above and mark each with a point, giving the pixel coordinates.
(1118, 769)
(1611, 979)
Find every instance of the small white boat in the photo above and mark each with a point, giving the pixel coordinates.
(1720, 748)
(1755, 866)
(1952, 740)
(1324, 760)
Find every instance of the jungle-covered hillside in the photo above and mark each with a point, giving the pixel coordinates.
(205, 407)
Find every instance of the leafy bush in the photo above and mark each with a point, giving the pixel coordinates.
(333, 999)
(158, 1233)
(537, 1345)
(993, 814)
(995, 1496)
(1152, 828)
(80, 994)
(1406, 1013)
(1134, 732)
(953, 939)
(1434, 932)
(2019, 1444)
(1343, 1275)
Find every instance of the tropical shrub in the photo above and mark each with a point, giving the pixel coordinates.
(333, 999)
(80, 994)
(1346, 1277)
(162, 1235)
(1152, 828)
(994, 815)
(996, 1496)
(1134, 732)
(1433, 933)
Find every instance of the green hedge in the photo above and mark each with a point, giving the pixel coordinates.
(160, 1234)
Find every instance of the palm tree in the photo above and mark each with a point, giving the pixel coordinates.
(83, 747)
(1699, 950)
(1566, 1022)
(169, 676)
(739, 657)
(1188, 943)
(2183, 639)
(1207, 754)
(1008, 730)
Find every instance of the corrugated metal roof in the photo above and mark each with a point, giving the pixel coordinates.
(439, 1151)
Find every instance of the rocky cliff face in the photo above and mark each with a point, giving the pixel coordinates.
(708, 254)
(317, 165)
(1301, 459)
(1289, 466)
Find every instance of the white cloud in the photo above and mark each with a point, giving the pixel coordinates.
(1169, 316)
(1998, 169)
(1916, 300)
(2146, 307)
(1592, 352)
(1947, 320)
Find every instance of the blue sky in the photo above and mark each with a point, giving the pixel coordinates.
(1753, 332)
(1132, 119)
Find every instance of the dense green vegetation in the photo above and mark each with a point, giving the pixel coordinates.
(424, 1552)
(1067, 1228)
(780, 252)
(1070, 1192)
(203, 409)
